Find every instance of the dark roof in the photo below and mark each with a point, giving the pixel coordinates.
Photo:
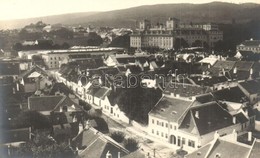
(233, 94)
(15, 135)
(226, 149)
(244, 65)
(255, 43)
(52, 103)
(211, 117)
(255, 152)
(250, 56)
(35, 68)
(251, 86)
(92, 143)
(44, 103)
(170, 109)
(209, 81)
(200, 153)
(9, 68)
(102, 92)
(185, 90)
(60, 87)
(227, 65)
(244, 139)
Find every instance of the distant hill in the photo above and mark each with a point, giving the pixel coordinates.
(219, 12)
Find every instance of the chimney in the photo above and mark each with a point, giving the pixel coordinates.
(108, 155)
(235, 70)
(118, 155)
(234, 134)
(9, 150)
(234, 120)
(197, 114)
(216, 135)
(249, 136)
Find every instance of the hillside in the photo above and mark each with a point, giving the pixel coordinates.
(209, 12)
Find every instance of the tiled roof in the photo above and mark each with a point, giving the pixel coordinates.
(244, 65)
(226, 149)
(185, 90)
(210, 117)
(255, 152)
(102, 92)
(44, 103)
(15, 135)
(32, 70)
(92, 143)
(222, 148)
(227, 65)
(170, 109)
(255, 43)
(60, 87)
(252, 86)
(52, 103)
(7, 68)
(233, 94)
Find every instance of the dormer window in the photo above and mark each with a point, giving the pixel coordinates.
(174, 112)
(218, 155)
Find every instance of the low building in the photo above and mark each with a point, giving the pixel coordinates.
(249, 45)
(191, 124)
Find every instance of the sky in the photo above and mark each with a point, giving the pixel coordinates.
(19, 9)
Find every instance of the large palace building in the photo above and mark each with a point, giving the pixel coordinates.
(164, 36)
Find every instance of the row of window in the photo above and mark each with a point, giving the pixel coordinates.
(250, 48)
(163, 135)
(54, 58)
(164, 124)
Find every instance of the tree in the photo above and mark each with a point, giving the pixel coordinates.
(118, 136)
(131, 144)
(93, 39)
(121, 41)
(32, 119)
(180, 43)
(197, 43)
(17, 46)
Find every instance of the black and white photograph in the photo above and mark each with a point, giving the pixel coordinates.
(129, 79)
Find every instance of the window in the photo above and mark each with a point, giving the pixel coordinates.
(191, 143)
(166, 136)
(183, 141)
(152, 131)
(162, 124)
(166, 125)
(158, 122)
(162, 134)
(157, 132)
(152, 121)
(171, 126)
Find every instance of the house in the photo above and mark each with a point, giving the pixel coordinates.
(251, 88)
(247, 56)
(191, 123)
(48, 104)
(221, 68)
(15, 136)
(249, 45)
(185, 90)
(226, 146)
(92, 143)
(34, 79)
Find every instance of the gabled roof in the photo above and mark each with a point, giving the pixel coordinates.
(255, 152)
(233, 94)
(251, 86)
(185, 90)
(227, 65)
(51, 103)
(255, 43)
(244, 65)
(15, 135)
(92, 143)
(170, 109)
(102, 92)
(60, 87)
(222, 148)
(35, 69)
(209, 117)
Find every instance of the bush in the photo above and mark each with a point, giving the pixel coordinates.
(131, 144)
(118, 136)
